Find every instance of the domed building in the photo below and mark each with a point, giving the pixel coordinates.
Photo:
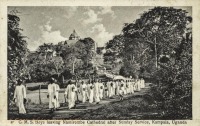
(74, 36)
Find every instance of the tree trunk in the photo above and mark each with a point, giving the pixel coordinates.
(156, 58)
(73, 65)
(63, 78)
(40, 101)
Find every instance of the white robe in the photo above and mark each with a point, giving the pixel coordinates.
(51, 93)
(138, 85)
(124, 89)
(56, 88)
(134, 86)
(111, 89)
(96, 92)
(91, 93)
(143, 83)
(101, 88)
(70, 92)
(130, 88)
(106, 90)
(19, 95)
(121, 88)
(117, 87)
(127, 87)
(83, 90)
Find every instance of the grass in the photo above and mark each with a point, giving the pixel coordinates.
(136, 107)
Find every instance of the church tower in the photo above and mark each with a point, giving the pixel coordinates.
(74, 36)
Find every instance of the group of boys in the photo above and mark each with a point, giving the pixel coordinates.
(90, 91)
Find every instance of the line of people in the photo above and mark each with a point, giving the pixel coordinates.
(91, 91)
(95, 91)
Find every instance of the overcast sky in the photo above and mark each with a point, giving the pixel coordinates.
(55, 24)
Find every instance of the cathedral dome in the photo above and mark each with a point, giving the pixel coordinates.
(74, 36)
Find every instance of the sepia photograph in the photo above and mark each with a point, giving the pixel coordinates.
(99, 62)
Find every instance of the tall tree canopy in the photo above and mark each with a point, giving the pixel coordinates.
(160, 43)
(17, 53)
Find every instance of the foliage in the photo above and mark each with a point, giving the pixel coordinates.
(160, 43)
(59, 59)
(17, 53)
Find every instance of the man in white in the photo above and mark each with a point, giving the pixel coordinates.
(51, 95)
(143, 83)
(70, 93)
(132, 86)
(138, 84)
(106, 89)
(96, 92)
(56, 89)
(121, 89)
(20, 96)
(101, 88)
(117, 87)
(111, 88)
(83, 89)
(91, 92)
(127, 87)
(124, 89)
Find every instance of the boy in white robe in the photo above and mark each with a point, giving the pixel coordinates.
(70, 93)
(132, 86)
(91, 92)
(110, 89)
(96, 92)
(117, 87)
(56, 89)
(143, 83)
(101, 88)
(127, 87)
(106, 89)
(124, 89)
(83, 89)
(121, 89)
(20, 96)
(138, 84)
(51, 95)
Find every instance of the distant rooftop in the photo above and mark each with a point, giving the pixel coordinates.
(74, 36)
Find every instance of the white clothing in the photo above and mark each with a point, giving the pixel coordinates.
(19, 95)
(111, 89)
(96, 92)
(51, 93)
(101, 88)
(91, 93)
(121, 88)
(70, 92)
(56, 88)
(106, 90)
(83, 89)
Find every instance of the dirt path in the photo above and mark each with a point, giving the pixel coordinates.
(64, 113)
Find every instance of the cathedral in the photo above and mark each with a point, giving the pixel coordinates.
(73, 39)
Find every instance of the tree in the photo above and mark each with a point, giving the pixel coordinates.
(162, 34)
(161, 28)
(114, 49)
(17, 53)
(56, 65)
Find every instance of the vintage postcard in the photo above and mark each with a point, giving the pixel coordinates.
(99, 62)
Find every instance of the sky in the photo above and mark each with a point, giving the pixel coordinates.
(52, 24)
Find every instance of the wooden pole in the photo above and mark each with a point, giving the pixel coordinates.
(40, 101)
